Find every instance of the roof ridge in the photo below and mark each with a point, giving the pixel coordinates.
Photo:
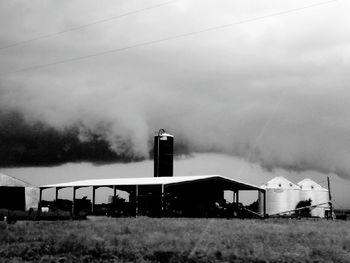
(15, 178)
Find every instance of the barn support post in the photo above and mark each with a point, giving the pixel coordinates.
(264, 195)
(56, 193)
(136, 200)
(93, 200)
(114, 192)
(236, 196)
(162, 200)
(73, 201)
(40, 198)
(114, 201)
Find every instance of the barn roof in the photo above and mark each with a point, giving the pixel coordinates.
(154, 181)
(7, 180)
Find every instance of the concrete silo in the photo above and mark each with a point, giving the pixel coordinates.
(281, 195)
(317, 194)
(163, 154)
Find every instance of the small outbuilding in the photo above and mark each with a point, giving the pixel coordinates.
(16, 194)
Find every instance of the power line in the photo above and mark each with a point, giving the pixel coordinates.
(102, 20)
(151, 42)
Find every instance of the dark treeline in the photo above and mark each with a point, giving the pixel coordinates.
(24, 143)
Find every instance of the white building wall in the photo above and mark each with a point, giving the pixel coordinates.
(31, 197)
(6, 180)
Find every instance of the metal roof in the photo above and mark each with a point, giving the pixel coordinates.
(148, 181)
(164, 134)
(8, 180)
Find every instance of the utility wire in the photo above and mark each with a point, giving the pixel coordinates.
(151, 42)
(102, 20)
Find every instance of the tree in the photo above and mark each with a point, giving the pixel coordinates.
(305, 211)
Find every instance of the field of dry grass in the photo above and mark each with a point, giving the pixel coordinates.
(176, 240)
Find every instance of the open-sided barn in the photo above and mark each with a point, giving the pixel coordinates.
(195, 196)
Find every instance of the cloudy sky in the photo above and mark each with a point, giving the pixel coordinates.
(270, 87)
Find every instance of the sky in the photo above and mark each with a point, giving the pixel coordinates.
(197, 164)
(261, 81)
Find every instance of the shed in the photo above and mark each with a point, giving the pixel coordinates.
(16, 194)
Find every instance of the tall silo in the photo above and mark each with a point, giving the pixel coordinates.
(318, 195)
(281, 195)
(163, 154)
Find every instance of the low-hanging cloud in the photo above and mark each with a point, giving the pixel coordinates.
(273, 91)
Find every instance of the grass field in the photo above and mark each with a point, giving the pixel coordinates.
(176, 240)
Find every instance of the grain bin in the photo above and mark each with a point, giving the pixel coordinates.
(281, 195)
(163, 154)
(318, 195)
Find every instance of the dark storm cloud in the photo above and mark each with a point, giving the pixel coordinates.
(273, 91)
(36, 144)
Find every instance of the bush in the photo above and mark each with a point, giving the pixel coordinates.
(304, 212)
(15, 215)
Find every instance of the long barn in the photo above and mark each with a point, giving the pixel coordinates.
(192, 195)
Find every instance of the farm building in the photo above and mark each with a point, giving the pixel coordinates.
(188, 196)
(282, 196)
(194, 196)
(16, 194)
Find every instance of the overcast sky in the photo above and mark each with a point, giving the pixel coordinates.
(273, 91)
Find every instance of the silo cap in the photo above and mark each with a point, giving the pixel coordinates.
(162, 133)
(280, 182)
(308, 184)
(167, 135)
